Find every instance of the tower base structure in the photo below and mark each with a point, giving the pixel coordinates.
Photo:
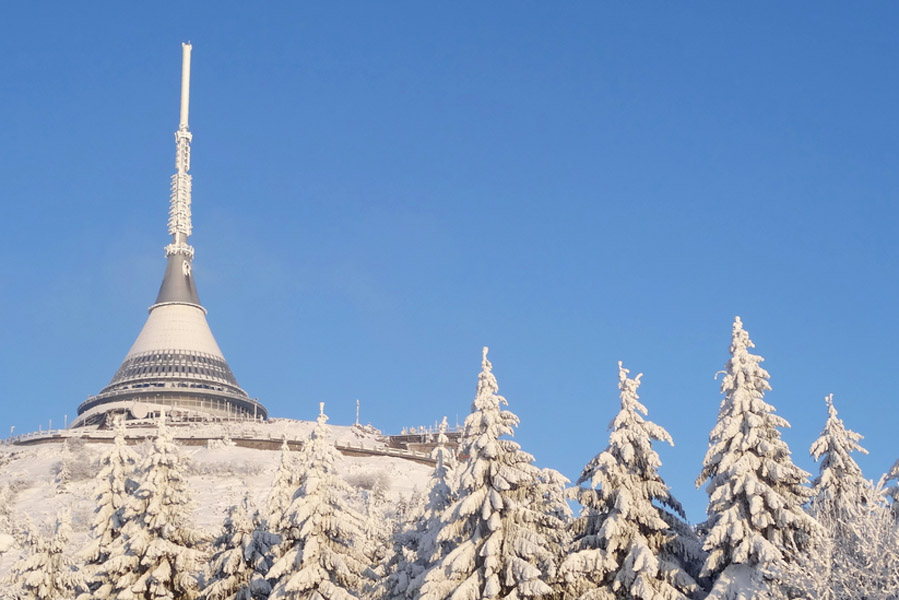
(174, 365)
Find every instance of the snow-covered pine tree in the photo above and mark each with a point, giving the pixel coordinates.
(403, 513)
(840, 485)
(856, 554)
(631, 539)
(756, 493)
(242, 556)
(23, 529)
(891, 485)
(322, 559)
(64, 473)
(835, 564)
(441, 492)
(7, 531)
(284, 485)
(417, 501)
(114, 484)
(860, 563)
(378, 524)
(415, 546)
(881, 534)
(156, 555)
(552, 495)
(499, 528)
(7, 497)
(47, 570)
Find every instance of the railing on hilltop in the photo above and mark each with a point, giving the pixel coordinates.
(272, 441)
(78, 432)
(350, 447)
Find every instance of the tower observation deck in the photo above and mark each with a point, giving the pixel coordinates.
(175, 364)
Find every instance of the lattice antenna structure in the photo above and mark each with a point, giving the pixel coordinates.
(179, 210)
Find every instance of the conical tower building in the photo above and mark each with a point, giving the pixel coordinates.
(175, 364)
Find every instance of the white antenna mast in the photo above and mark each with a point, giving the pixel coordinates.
(179, 211)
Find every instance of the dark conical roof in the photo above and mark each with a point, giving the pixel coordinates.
(178, 282)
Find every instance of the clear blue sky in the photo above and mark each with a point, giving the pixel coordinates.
(381, 188)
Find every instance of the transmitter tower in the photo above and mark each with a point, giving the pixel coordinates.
(175, 365)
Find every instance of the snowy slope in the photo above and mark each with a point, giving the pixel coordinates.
(218, 476)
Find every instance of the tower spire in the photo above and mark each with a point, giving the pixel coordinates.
(179, 210)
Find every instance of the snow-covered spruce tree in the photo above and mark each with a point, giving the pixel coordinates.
(378, 521)
(881, 531)
(499, 528)
(891, 484)
(7, 497)
(7, 540)
(406, 510)
(415, 546)
(284, 485)
(440, 488)
(441, 492)
(417, 500)
(836, 565)
(242, 556)
(156, 554)
(114, 483)
(64, 472)
(552, 497)
(322, 559)
(861, 563)
(756, 493)
(47, 571)
(631, 539)
(840, 485)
